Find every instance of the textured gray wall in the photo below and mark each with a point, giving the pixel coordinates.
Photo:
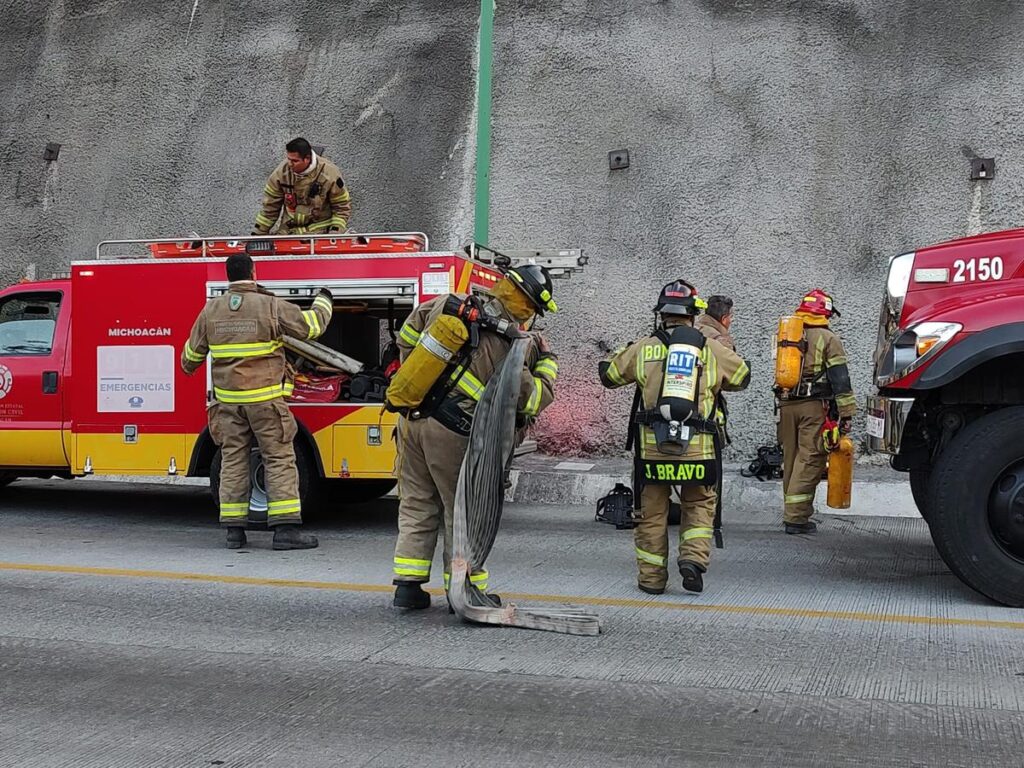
(775, 146)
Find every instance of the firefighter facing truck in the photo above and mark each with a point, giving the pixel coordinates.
(242, 332)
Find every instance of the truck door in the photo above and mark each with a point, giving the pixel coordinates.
(33, 333)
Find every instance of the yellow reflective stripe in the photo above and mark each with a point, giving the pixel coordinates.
(254, 349)
(614, 376)
(284, 507)
(411, 566)
(839, 360)
(470, 385)
(476, 578)
(532, 407)
(324, 303)
(650, 557)
(547, 366)
(318, 225)
(343, 197)
(312, 322)
(191, 355)
(243, 396)
(741, 373)
(338, 222)
(288, 388)
(697, 533)
(264, 221)
(410, 334)
(819, 355)
(271, 191)
(798, 498)
(641, 374)
(234, 509)
(479, 580)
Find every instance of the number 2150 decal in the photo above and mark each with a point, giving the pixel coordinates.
(972, 270)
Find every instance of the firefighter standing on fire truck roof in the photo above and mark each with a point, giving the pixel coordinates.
(438, 398)
(688, 459)
(814, 414)
(242, 332)
(311, 192)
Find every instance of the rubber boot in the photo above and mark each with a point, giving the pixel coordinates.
(798, 528)
(651, 590)
(411, 595)
(693, 579)
(236, 537)
(288, 536)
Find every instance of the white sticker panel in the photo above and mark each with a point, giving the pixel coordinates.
(135, 379)
(436, 283)
(875, 426)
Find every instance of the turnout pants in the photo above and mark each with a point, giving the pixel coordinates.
(429, 460)
(804, 456)
(273, 427)
(650, 533)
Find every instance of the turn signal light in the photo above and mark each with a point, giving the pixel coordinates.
(925, 343)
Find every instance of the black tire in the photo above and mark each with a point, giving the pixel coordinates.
(303, 463)
(335, 491)
(977, 506)
(920, 488)
(6, 478)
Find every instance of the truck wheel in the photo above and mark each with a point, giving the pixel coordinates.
(6, 478)
(920, 487)
(977, 506)
(258, 483)
(334, 491)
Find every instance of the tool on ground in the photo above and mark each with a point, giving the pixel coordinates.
(616, 508)
(478, 506)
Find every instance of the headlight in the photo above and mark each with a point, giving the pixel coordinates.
(913, 348)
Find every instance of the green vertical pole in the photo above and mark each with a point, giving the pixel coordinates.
(481, 216)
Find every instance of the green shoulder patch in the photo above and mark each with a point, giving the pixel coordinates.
(234, 302)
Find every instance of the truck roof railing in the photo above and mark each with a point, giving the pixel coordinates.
(264, 245)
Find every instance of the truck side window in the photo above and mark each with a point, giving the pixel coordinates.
(27, 323)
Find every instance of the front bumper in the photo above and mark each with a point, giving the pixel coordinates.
(886, 419)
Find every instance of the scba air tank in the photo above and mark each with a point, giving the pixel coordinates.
(680, 387)
(789, 352)
(437, 348)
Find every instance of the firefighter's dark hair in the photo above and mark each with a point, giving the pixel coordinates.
(239, 267)
(299, 145)
(719, 307)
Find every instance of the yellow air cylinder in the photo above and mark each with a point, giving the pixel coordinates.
(438, 346)
(840, 474)
(789, 357)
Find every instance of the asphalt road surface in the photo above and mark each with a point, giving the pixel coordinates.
(130, 637)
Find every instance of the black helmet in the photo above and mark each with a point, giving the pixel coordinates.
(535, 282)
(680, 298)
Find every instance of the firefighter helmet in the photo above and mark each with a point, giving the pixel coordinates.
(817, 302)
(680, 298)
(535, 282)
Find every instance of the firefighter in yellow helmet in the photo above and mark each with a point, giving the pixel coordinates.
(678, 374)
(449, 347)
(813, 414)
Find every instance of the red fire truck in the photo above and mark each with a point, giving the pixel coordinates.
(89, 376)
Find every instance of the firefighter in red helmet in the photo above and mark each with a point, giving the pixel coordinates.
(812, 415)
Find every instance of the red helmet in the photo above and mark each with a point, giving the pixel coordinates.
(817, 302)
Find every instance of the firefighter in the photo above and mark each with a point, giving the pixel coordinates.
(432, 439)
(678, 374)
(310, 190)
(814, 413)
(242, 331)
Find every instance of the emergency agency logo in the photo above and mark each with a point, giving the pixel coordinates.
(6, 381)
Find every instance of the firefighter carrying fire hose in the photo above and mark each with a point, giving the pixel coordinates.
(678, 373)
(816, 403)
(242, 332)
(450, 346)
(306, 192)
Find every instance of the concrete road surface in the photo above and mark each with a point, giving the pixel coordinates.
(130, 637)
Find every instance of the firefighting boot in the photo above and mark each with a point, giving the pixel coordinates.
(797, 528)
(288, 536)
(236, 537)
(693, 579)
(410, 594)
(651, 590)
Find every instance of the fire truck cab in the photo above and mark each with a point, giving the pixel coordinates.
(90, 382)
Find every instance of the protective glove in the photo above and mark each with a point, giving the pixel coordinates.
(830, 435)
(327, 293)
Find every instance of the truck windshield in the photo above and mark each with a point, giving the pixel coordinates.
(27, 323)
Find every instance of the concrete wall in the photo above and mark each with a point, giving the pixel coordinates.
(776, 145)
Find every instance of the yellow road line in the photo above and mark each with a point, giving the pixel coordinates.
(608, 602)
